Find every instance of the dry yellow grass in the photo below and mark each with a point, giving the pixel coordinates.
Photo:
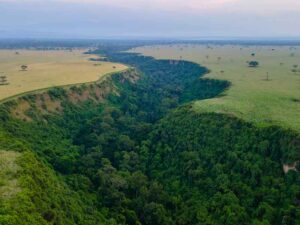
(49, 68)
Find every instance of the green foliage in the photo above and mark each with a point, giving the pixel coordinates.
(253, 64)
(45, 199)
(234, 166)
(57, 93)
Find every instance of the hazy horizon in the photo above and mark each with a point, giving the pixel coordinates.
(155, 19)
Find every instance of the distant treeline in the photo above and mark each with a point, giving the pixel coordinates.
(131, 43)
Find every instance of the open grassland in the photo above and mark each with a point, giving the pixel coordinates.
(268, 94)
(47, 69)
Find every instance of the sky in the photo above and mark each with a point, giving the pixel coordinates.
(149, 19)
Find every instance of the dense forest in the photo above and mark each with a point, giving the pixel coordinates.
(143, 156)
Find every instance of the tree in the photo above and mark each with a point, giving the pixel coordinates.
(3, 80)
(155, 214)
(253, 64)
(24, 67)
(295, 70)
(267, 77)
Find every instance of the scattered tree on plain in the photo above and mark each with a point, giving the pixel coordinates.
(295, 69)
(267, 76)
(24, 68)
(3, 80)
(253, 64)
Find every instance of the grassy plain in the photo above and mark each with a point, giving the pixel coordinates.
(49, 68)
(252, 96)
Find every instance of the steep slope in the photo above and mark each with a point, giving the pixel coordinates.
(32, 193)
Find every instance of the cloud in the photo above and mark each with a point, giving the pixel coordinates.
(253, 6)
(166, 5)
(99, 18)
(170, 4)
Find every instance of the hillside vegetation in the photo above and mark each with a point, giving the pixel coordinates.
(265, 95)
(142, 155)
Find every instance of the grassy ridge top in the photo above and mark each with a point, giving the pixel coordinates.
(49, 68)
(251, 96)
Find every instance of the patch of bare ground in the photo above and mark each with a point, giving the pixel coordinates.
(131, 76)
(20, 110)
(52, 105)
(92, 92)
(44, 104)
(291, 166)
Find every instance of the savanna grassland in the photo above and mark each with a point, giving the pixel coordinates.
(267, 94)
(48, 69)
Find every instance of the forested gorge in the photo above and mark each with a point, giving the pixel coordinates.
(145, 157)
